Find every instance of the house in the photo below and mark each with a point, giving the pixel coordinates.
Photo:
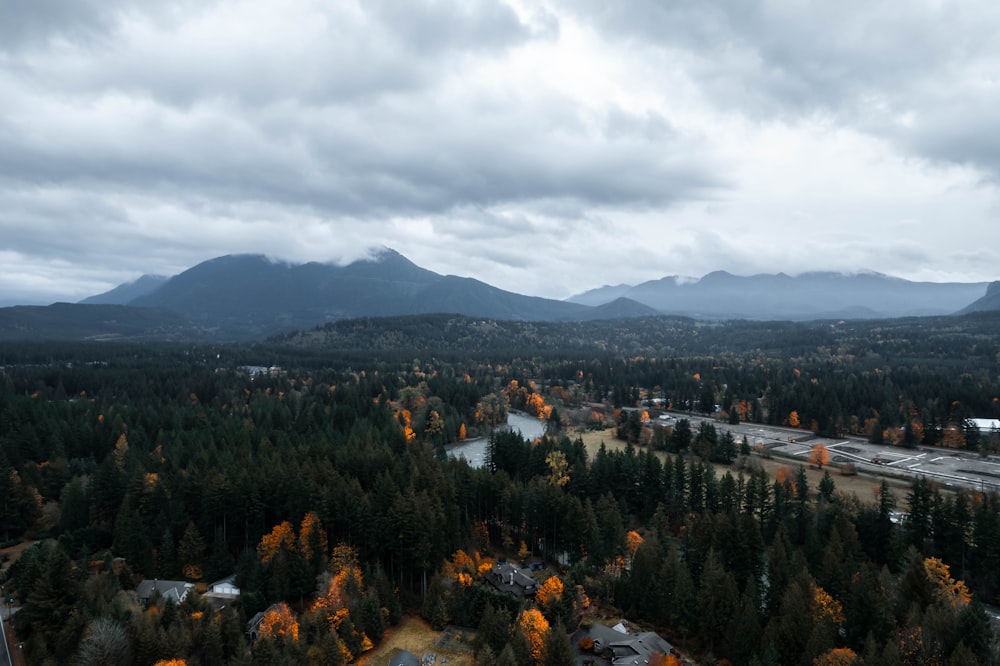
(984, 425)
(174, 591)
(222, 592)
(253, 624)
(508, 577)
(225, 587)
(627, 648)
(404, 658)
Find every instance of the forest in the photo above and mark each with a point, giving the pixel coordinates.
(323, 484)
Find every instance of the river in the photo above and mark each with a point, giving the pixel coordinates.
(474, 450)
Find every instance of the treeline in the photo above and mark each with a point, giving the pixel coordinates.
(326, 488)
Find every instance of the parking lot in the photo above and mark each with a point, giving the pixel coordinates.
(950, 468)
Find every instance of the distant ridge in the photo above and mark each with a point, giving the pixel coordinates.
(816, 295)
(988, 303)
(129, 291)
(77, 321)
(252, 297)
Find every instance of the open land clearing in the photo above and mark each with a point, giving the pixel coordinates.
(863, 485)
(416, 636)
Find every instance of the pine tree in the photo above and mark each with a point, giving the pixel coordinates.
(557, 650)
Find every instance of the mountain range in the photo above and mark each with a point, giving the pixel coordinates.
(242, 297)
(815, 295)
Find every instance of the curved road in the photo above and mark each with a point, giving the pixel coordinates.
(5, 660)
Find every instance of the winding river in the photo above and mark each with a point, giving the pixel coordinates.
(474, 450)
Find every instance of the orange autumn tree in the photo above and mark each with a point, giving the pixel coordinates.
(793, 419)
(281, 537)
(823, 606)
(632, 542)
(463, 567)
(784, 475)
(551, 591)
(279, 621)
(837, 657)
(406, 420)
(660, 659)
(313, 542)
(952, 593)
(535, 628)
(558, 468)
(819, 456)
(333, 603)
(171, 662)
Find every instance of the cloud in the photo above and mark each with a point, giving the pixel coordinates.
(921, 74)
(543, 147)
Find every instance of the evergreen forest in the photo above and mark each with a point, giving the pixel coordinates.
(314, 467)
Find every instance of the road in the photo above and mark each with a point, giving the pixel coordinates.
(949, 467)
(5, 660)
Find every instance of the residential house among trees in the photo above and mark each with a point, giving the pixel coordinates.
(174, 591)
(404, 658)
(508, 577)
(627, 648)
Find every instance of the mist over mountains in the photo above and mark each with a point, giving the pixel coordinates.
(252, 297)
(815, 295)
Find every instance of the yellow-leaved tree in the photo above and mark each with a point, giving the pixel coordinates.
(535, 628)
(282, 536)
(819, 456)
(313, 542)
(279, 621)
(950, 592)
(551, 591)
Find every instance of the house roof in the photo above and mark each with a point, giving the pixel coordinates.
(640, 647)
(628, 649)
(404, 658)
(253, 624)
(171, 590)
(604, 635)
(508, 577)
(228, 580)
(986, 425)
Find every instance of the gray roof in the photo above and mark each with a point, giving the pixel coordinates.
(404, 658)
(628, 649)
(171, 590)
(508, 577)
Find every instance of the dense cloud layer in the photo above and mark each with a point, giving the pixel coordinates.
(544, 148)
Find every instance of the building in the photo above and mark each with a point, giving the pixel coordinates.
(223, 592)
(627, 648)
(985, 425)
(508, 577)
(404, 658)
(225, 587)
(174, 591)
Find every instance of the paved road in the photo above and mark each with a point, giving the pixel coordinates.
(5, 660)
(949, 467)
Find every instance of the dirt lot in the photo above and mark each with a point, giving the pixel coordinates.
(9, 555)
(415, 635)
(862, 485)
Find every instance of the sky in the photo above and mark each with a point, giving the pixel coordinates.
(545, 147)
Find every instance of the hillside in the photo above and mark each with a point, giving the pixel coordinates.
(73, 321)
(988, 303)
(127, 292)
(249, 296)
(818, 295)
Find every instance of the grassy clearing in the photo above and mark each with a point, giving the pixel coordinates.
(418, 637)
(862, 486)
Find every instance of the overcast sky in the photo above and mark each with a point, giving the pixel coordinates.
(543, 147)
